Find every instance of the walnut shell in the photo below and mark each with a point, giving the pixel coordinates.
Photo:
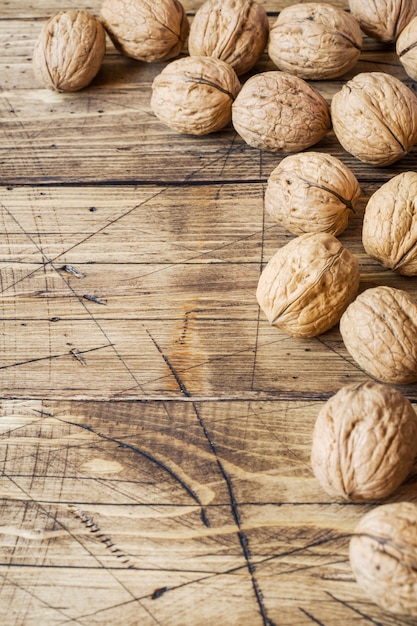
(389, 230)
(69, 50)
(383, 556)
(311, 192)
(307, 284)
(315, 41)
(146, 30)
(406, 48)
(375, 118)
(279, 112)
(235, 31)
(383, 20)
(379, 329)
(194, 95)
(364, 442)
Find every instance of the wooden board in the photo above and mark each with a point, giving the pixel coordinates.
(155, 431)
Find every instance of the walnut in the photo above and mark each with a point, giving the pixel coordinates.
(310, 192)
(146, 30)
(364, 442)
(235, 31)
(375, 118)
(69, 50)
(307, 284)
(383, 557)
(389, 231)
(406, 48)
(315, 41)
(279, 112)
(379, 329)
(194, 95)
(383, 19)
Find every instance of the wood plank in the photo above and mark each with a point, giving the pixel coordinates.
(116, 514)
(69, 138)
(154, 292)
(44, 8)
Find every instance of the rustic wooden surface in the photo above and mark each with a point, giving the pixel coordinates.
(155, 431)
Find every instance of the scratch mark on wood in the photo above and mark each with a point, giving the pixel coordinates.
(227, 155)
(77, 354)
(236, 515)
(107, 225)
(352, 608)
(170, 367)
(310, 616)
(56, 269)
(220, 156)
(92, 526)
(23, 588)
(255, 352)
(339, 354)
(49, 515)
(159, 592)
(234, 506)
(46, 413)
(151, 458)
(51, 356)
(312, 544)
(71, 270)
(94, 299)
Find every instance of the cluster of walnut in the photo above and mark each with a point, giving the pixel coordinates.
(72, 44)
(364, 442)
(374, 116)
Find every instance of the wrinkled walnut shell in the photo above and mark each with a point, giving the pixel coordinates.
(375, 118)
(235, 31)
(379, 329)
(315, 41)
(312, 192)
(364, 442)
(69, 50)
(279, 112)
(389, 231)
(406, 48)
(146, 30)
(383, 20)
(194, 95)
(307, 284)
(383, 557)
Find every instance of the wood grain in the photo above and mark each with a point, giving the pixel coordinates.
(155, 431)
(172, 513)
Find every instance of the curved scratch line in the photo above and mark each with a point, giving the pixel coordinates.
(151, 458)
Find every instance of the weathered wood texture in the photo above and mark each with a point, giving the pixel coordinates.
(177, 513)
(155, 431)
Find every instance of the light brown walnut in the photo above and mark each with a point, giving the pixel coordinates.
(194, 95)
(406, 48)
(374, 117)
(69, 50)
(383, 557)
(311, 192)
(383, 20)
(279, 112)
(146, 30)
(389, 231)
(315, 41)
(235, 31)
(379, 329)
(364, 442)
(307, 284)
